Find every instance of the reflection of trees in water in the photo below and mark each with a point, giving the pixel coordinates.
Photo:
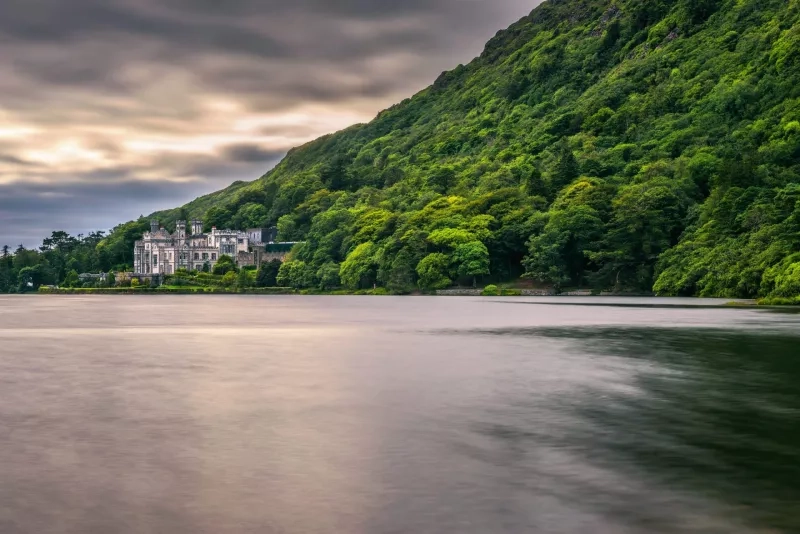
(719, 413)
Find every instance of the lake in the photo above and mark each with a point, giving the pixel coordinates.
(271, 414)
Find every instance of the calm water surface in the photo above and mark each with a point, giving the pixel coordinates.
(238, 414)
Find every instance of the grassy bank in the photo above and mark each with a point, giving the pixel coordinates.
(166, 290)
(779, 301)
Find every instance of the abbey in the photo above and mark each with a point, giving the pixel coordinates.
(161, 252)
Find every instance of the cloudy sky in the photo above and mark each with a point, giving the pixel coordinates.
(110, 109)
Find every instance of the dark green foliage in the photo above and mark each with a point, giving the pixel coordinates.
(567, 168)
(224, 265)
(267, 275)
(666, 132)
(401, 277)
(328, 276)
(534, 184)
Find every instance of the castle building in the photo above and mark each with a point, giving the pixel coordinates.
(161, 252)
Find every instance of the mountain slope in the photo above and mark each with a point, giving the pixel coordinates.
(623, 144)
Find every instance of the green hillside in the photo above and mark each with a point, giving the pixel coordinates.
(619, 145)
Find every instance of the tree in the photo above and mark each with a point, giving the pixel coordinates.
(71, 279)
(359, 269)
(559, 254)
(432, 271)
(297, 274)
(6, 263)
(471, 260)
(335, 175)
(251, 215)
(647, 220)
(224, 265)
(229, 279)
(442, 179)
(217, 216)
(183, 215)
(267, 275)
(451, 237)
(535, 185)
(243, 279)
(567, 168)
(29, 279)
(328, 276)
(401, 276)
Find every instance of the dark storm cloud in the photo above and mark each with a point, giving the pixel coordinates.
(121, 107)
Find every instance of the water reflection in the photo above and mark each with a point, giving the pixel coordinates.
(709, 411)
(315, 415)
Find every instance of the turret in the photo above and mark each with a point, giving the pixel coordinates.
(197, 227)
(180, 229)
(154, 226)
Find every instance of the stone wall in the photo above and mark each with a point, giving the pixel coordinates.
(459, 292)
(537, 292)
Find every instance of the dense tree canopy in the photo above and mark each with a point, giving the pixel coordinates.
(619, 144)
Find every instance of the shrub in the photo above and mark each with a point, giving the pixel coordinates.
(490, 291)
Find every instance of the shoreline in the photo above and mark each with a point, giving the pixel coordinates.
(733, 303)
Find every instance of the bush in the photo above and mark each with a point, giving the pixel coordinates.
(490, 291)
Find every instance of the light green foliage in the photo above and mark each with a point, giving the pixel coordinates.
(490, 291)
(626, 145)
(229, 280)
(297, 274)
(471, 260)
(243, 279)
(450, 237)
(359, 270)
(433, 271)
(786, 277)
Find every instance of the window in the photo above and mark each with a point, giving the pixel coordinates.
(213, 255)
(155, 259)
(197, 255)
(241, 241)
(205, 255)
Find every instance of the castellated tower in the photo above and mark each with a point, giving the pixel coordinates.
(197, 227)
(180, 229)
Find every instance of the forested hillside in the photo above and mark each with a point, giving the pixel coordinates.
(620, 145)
